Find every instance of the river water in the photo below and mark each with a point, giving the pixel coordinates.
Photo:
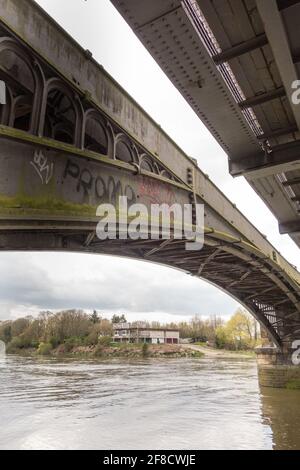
(144, 404)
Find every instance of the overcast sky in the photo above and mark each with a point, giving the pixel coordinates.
(31, 282)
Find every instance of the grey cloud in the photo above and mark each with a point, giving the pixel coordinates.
(111, 284)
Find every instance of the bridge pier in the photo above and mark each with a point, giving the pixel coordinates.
(278, 368)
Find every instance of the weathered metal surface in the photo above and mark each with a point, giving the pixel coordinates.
(259, 41)
(69, 143)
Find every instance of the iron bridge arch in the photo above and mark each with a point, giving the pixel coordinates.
(62, 154)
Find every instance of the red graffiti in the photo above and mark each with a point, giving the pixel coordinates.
(155, 192)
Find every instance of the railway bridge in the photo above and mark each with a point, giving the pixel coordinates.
(71, 138)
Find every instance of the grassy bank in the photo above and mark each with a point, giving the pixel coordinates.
(222, 351)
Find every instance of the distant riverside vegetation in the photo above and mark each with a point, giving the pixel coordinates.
(76, 331)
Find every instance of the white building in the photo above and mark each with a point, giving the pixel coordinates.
(139, 332)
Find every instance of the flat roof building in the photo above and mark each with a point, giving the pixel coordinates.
(140, 332)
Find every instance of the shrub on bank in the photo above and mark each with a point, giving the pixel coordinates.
(21, 342)
(98, 352)
(44, 349)
(105, 340)
(91, 339)
(145, 350)
(72, 342)
(54, 341)
(196, 354)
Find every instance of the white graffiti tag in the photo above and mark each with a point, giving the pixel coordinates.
(296, 354)
(43, 168)
(2, 92)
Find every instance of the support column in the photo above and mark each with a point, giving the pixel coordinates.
(278, 368)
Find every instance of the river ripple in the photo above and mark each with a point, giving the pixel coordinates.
(143, 404)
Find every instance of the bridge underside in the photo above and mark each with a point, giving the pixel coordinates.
(69, 144)
(234, 62)
(225, 263)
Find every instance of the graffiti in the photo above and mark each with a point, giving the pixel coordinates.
(296, 94)
(100, 187)
(296, 354)
(2, 92)
(42, 167)
(156, 192)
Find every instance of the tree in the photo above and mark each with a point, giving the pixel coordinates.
(119, 319)
(221, 340)
(241, 330)
(19, 326)
(67, 324)
(36, 330)
(5, 331)
(94, 317)
(105, 327)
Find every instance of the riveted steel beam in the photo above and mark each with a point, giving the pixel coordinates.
(278, 133)
(279, 43)
(262, 98)
(283, 4)
(240, 49)
(291, 182)
(290, 227)
(276, 161)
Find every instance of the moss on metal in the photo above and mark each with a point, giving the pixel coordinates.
(48, 205)
(293, 384)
